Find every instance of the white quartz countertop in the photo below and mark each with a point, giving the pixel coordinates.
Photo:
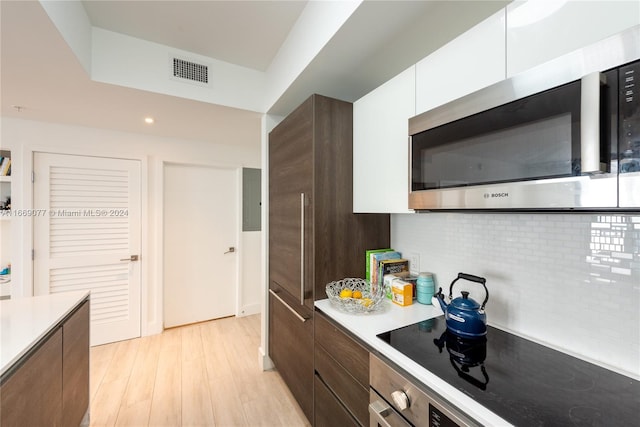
(25, 321)
(367, 326)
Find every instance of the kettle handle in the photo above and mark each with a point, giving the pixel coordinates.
(471, 278)
(476, 382)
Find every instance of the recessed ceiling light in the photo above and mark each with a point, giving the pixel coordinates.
(149, 120)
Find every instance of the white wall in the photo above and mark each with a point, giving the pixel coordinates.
(571, 281)
(23, 137)
(268, 123)
(251, 289)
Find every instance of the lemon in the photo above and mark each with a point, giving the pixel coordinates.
(346, 293)
(357, 294)
(366, 302)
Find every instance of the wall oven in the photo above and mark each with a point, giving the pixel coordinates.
(564, 135)
(397, 402)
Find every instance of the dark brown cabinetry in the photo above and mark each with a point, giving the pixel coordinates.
(314, 237)
(49, 386)
(328, 411)
(342, 365)
(32, 396)
(75, 366)
(287, 336)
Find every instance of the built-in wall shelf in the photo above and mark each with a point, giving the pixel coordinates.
(6, 226)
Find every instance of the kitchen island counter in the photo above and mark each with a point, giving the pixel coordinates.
(25, 321)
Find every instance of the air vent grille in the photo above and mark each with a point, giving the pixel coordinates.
(190, 71)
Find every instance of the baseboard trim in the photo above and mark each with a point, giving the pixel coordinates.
(264, 360)
(248, 310)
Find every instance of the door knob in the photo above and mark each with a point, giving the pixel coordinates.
(131, 258)
(231, 249)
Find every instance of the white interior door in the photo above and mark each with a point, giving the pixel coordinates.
(86, 238)
(200, 226)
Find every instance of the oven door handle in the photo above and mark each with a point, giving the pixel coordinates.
(590, 124)
(380, 411)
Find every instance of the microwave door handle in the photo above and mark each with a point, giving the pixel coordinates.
(590, 123)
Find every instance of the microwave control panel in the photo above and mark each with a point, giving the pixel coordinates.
(629, 110)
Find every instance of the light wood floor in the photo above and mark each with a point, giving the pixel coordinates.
(205, 374)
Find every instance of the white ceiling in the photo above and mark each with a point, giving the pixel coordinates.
(40, 73)
(247, 33)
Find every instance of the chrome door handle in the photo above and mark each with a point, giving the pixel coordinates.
(231, 250)
(131, 258)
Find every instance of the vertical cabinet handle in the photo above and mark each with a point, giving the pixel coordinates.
(590, 123)
(301, 248)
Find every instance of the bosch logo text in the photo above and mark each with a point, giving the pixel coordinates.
(495, 195)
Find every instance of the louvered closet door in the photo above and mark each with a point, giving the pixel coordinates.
(90, 229)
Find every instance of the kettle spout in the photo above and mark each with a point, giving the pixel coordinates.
(440, 298)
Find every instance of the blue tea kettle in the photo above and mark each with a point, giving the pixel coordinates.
(464, 316)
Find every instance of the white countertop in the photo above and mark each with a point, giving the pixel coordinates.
(5, 285)
(367, 326)
(24, 321)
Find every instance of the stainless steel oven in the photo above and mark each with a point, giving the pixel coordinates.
(394, 401)
(564, 135)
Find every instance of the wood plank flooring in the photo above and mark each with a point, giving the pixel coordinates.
(205, 374)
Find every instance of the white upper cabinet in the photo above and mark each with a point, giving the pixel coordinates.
(472, 61)
(538, 31)
(381, 147)
(518, 37)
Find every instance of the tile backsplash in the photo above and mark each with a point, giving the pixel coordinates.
(571, 281)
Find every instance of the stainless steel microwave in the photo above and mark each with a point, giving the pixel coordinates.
(562, 136)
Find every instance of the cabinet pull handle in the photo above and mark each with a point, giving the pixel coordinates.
(590, 123)
(302, 319)
(301, 248)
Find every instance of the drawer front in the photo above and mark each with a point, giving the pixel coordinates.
(347, 352)
(291, 350)
(352, 394)
(329, 412)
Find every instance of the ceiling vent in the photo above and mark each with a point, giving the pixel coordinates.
(190, 71)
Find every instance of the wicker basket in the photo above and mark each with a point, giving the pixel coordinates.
(368, 303)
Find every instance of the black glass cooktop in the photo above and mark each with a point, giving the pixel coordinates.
(523, 382)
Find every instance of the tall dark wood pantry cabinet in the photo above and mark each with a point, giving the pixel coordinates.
(314, 238)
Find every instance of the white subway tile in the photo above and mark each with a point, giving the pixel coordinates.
(542, 269)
